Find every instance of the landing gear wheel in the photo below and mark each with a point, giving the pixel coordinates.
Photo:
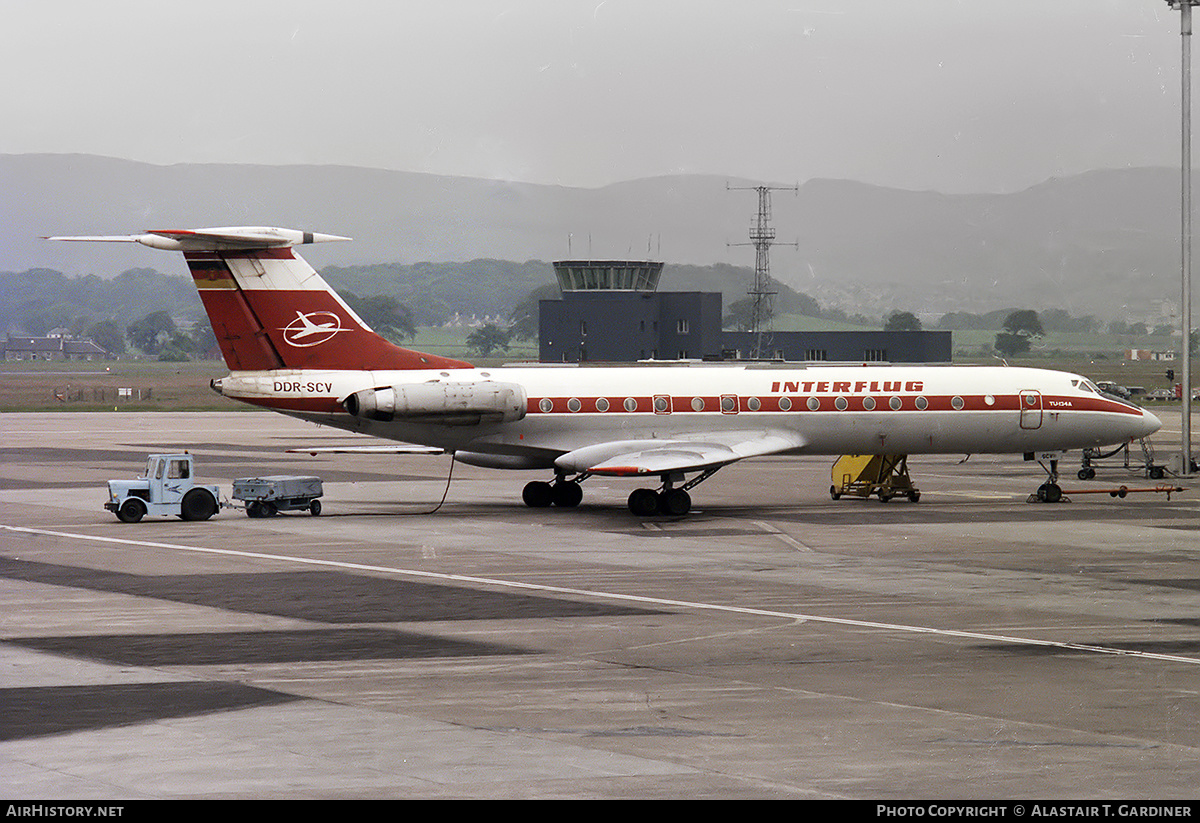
(643, 502)
(1086, 474)
(674, 502)
(566, 494)
(314, 508)
(537, 494)
(198, 504)
(1156, 473)
(1049, 493)
(131, 511)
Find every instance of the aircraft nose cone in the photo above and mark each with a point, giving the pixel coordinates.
(1148, 424)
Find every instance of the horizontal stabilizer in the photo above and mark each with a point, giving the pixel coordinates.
(226, 238)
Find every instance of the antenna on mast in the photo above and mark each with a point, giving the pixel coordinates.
(762, 237)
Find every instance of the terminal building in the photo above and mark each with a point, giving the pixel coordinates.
(611, 311)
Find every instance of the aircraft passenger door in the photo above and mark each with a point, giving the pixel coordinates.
(1031, 409)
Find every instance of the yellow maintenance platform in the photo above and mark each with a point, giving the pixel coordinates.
(862, 475)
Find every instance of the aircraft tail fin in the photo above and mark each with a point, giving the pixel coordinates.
(270, 309)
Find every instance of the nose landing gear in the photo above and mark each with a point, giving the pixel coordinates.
(1050, 491)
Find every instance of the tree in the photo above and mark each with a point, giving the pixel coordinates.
(741, 315)
(152, 332)
(39, 324)
(1010, 345)
(487, 339)
(203, 337)
(902, 321)
(1024, 321)
(1019, 328)
(525, 315)
(383, 313)
(107, 335)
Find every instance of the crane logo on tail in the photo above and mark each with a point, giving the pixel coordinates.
(312, 329)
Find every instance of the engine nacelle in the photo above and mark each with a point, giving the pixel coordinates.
(448, 404)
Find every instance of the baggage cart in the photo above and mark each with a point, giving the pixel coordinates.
(267, 496)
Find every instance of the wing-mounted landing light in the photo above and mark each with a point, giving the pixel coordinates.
(226, 238)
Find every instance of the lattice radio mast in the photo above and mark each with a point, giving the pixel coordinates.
(762, 237)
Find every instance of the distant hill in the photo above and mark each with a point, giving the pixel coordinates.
(435, 292)
(1103, 243)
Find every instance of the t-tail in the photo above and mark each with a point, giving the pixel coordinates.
(270, 309)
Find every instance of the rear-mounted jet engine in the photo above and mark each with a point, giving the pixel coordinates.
(453, 404)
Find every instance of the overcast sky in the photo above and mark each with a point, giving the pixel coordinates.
(952, 95)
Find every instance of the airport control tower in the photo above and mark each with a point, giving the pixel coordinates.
(612, 311)
(608, 275)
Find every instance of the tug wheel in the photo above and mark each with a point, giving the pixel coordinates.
(131, 511)
(198, 504)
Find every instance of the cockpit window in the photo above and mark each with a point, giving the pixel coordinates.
(1088, 385)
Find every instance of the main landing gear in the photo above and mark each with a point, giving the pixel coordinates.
(648, 502)
(669, 499)
(562, 492)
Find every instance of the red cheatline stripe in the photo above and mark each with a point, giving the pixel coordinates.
(799, 403)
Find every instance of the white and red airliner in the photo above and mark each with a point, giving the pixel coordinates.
(294, 346)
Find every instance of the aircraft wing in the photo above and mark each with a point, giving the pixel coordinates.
(690, 453)
(399, 448)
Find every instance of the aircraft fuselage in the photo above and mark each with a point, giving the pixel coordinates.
(826, 409)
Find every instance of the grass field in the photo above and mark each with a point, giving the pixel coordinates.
(153, 385)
